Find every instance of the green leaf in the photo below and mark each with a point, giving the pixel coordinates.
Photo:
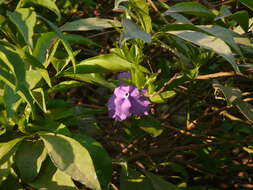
(101, 63)
(39, 67)
(101, 159)
(247, 3)
(242, 18)
(224, 12)
(93, 78)
(11, 183)
(51, 178)
(131, 179)
(132, 31)
(65, 85)
(162, 98)
(208, 42)
(117, 6)
(6, 152)
(11, 100)
(50, 4)
(224, 34)
(141, 8)
(74, 160)
(63, 40)
(179, 18)
(89, 24)
(24, 19)
(234, 97)
(43, 44)
(39, 97)
(22, 92)
(150, 125)
(78, 39)
(29, 158)
(15, 64)
(159, 183)
(190, 8)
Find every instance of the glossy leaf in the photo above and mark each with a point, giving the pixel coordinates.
(74, 160)
(29, 158)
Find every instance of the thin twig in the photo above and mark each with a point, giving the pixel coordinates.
(164, 86)
(220, 74)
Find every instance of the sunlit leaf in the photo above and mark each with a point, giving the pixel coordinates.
(74, 160)
(51, 178)
(89, 24)
(24, 19)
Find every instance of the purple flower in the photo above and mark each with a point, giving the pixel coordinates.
(126, 101)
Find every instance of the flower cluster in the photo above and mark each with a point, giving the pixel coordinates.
(126, 101)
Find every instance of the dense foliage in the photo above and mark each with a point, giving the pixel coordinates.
(126, 94)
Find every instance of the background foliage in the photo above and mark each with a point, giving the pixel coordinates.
(59, 62)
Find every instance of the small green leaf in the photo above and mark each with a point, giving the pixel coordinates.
(150, 125)
(29, 158)
(74, 160)
(89, 24)
(24, 19)
(159, 183)
(131, 179)
(162, 98)
(51, 178)
(224, 12)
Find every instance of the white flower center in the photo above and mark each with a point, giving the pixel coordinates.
(126, 95)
